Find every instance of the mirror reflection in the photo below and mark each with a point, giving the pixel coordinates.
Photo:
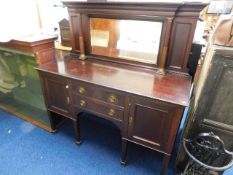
(128, 39)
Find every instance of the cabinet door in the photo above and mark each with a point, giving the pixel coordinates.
(57, 92)
(153, 123)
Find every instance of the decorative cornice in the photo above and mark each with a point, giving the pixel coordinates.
(182, 8)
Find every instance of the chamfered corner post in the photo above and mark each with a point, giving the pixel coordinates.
(124, 144)
(164, 165)
(77, 130)
(165, 48)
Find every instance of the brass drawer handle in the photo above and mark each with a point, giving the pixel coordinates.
(81, 90)
(111, 112)
(82, 103)
(112, 99)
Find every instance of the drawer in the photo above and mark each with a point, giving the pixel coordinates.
(99, 108)
(96, 92)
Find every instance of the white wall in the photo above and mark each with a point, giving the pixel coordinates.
(17, 18)
(27, 17)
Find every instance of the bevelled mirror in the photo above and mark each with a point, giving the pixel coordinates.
(134, 40)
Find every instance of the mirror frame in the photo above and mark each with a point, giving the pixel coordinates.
(85, 23)
(122, 59)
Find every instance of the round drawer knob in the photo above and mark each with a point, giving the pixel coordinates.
(81, 90)
(67, 86)
(112, 99)
(111, 112)
(82, 103)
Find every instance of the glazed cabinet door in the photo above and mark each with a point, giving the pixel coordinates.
(153, 123)
(57, 92)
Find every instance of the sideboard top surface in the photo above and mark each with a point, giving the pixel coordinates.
(173, 88)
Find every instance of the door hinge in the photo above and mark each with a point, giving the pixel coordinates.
(68, 100)
(130, 120)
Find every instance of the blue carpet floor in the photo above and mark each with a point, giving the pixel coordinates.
(28, 150)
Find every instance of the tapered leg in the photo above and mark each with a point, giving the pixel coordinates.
(164, 165)
(77, 131)
(123, 151)
(52, 122)
(220, 172)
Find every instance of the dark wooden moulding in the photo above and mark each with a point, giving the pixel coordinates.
(146, 105)
(42, 47)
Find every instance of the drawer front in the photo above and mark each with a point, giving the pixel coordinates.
(99, 108)
(103, 94)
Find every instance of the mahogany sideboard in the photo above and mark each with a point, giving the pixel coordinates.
(147, 107)
(135, 77)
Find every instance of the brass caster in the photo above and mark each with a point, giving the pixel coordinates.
(78, 142)
(53, 131)
(123, 162)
